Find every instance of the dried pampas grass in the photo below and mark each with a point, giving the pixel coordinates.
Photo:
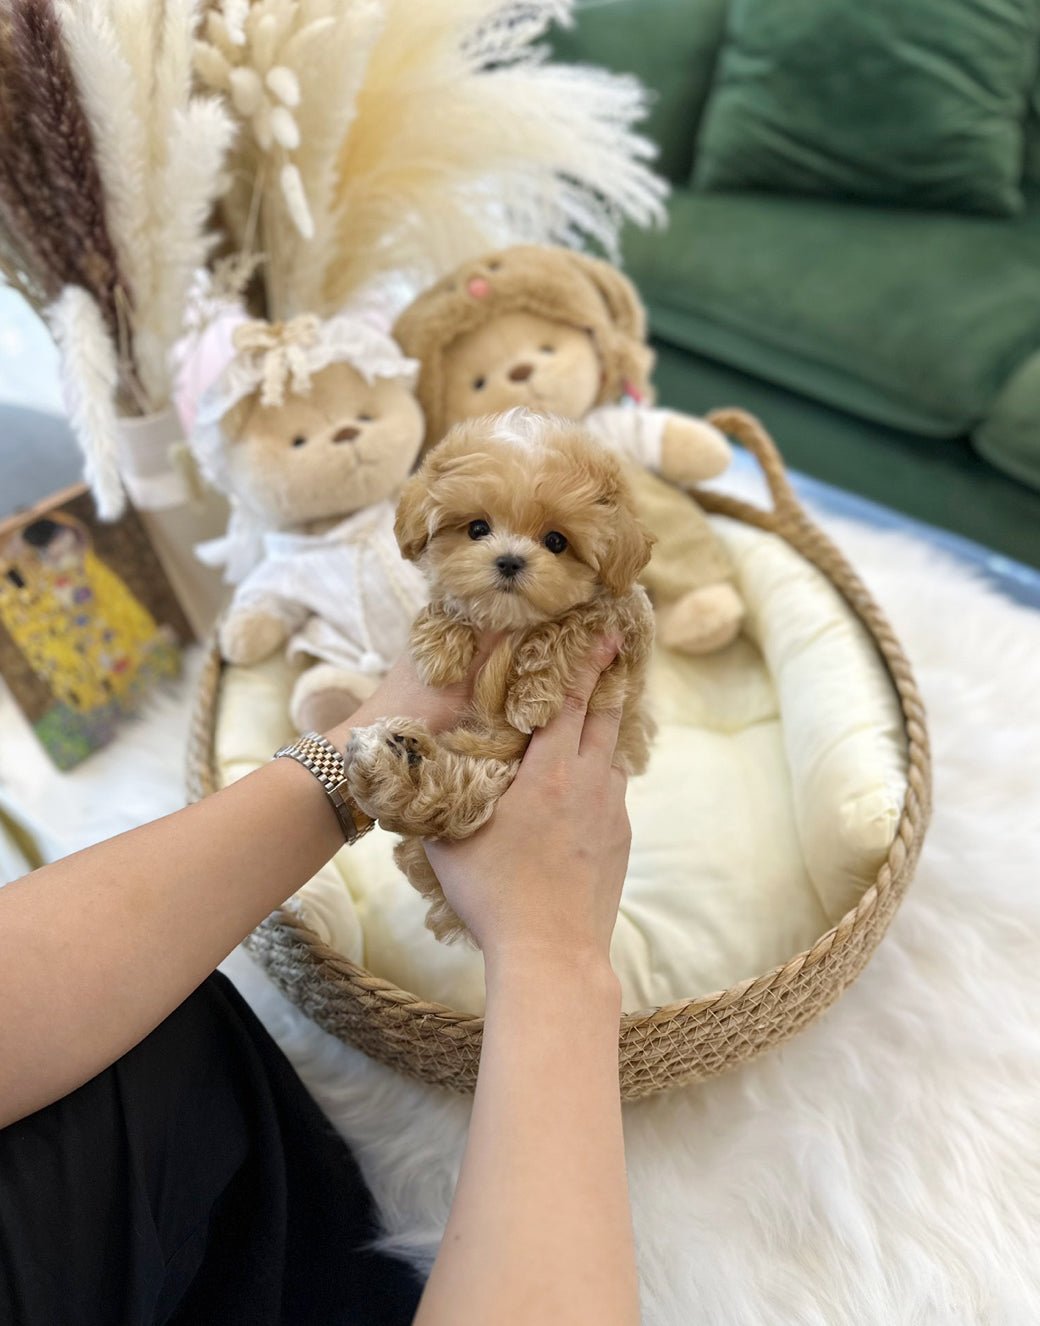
(383, 141)
(358, 145)
(290, 71)
(55, 244)
(162, 152)
(90, 376)
(110, 166)
(465, 136)
(52, 212)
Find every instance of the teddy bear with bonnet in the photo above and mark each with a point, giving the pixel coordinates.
(565, 334)
(311, 431)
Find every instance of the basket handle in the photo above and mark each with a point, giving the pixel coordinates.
(752, 436)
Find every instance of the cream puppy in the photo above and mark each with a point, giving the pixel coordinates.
(523, 525)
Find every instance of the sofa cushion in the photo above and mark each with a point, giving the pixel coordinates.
(1032, 148)
(911, 319)
(943, 481)
(921, 103)
(671, 45)
(1010, 434)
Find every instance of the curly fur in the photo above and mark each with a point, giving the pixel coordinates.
(523, 475)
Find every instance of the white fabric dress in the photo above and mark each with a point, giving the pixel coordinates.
(346, 596)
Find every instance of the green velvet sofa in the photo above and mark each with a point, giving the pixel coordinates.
(894, 352)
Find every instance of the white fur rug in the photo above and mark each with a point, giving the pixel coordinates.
(883, 1168)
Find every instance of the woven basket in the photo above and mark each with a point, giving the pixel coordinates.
(661, 1047)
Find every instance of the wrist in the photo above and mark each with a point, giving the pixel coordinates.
(339, 736)
(552, 971)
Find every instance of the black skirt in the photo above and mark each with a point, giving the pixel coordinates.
(195, 1181)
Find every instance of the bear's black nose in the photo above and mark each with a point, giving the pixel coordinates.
(509, 566)
(520, 372)
(347, 434)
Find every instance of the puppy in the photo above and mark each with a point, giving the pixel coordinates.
(523, 525)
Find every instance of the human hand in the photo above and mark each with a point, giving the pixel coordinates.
(542, 879)
(401, 694)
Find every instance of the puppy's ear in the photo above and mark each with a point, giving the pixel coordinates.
(626, 553)
(627, 546)
(420, 507)
(411, 525)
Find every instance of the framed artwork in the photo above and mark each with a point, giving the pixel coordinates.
(88, 622)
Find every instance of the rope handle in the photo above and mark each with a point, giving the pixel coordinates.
(752, 436)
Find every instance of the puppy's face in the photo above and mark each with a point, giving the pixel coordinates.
(519, 518)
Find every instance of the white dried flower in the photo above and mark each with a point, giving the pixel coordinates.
(296, 200)
(284, 84)
(242, 57)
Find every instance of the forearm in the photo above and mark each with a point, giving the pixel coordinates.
(96, 949)
(540, 1227)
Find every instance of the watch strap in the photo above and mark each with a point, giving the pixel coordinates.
(321, 758)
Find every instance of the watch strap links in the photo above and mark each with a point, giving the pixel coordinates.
(321, 758)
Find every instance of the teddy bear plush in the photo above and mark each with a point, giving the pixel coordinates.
(311, 431)
(560, 332)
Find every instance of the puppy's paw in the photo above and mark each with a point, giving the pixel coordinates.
(439, 670)
(442, 650)
(385, 763)
(527, 708)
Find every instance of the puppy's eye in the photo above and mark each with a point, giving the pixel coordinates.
(479, 384)
(479, 529)
(299, 441)
(365, 418)
(547, 349)
(555, 542)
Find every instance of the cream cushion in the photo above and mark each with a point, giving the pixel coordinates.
(773, 794)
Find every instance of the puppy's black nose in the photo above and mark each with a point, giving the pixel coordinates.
(347, 434)
(520, 372)
(509, 566)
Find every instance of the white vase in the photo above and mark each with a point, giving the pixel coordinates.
(177, 509)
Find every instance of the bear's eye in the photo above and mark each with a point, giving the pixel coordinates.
(555, 542)
(479, 384)
(365, 418)
(547, 349)
(299, 440)
(479, 529)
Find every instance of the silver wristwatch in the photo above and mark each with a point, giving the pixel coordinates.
(323, 760)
